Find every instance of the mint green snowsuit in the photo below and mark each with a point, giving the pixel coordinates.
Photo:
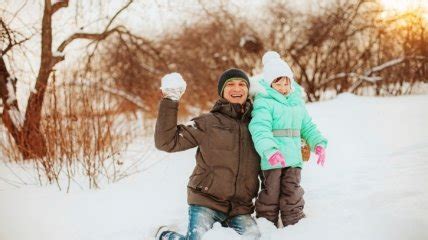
(274, 111)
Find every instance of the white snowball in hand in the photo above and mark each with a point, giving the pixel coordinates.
(173, 81)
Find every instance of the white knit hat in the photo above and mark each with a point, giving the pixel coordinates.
(274, 67)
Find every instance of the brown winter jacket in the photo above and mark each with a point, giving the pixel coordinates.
(225, 177)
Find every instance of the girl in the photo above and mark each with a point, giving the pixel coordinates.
(279, 121)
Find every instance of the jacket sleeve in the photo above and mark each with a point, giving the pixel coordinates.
(261, 129)
(171, 137)
(310, 132)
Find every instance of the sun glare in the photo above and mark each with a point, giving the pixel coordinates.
(394, 7)
(404, 5)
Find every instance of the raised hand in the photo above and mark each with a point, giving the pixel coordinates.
(173, 86)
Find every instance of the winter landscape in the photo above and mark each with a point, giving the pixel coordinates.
(79, 88)
(373, 185)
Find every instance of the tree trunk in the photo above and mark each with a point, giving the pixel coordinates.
(30, 144)
(27, 131)
(28, 135)
(35, 140)
(11, 112)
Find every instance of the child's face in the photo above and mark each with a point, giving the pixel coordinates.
(282, 85)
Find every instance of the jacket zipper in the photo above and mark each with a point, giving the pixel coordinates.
(239, 163)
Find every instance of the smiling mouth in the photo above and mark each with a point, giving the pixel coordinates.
(236, 95)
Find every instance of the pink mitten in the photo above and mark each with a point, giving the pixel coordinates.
(277, 158)
(320, 151)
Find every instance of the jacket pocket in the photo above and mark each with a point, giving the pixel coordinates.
(221, 138)
(215, 182)
(200, 179)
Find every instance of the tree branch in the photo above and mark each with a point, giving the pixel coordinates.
(107, 27)
(94, 36)
(137, 101)
(56, 59)
(58, 5)
(366, 76)
(7, 33)
(117, 14)
(90, 36)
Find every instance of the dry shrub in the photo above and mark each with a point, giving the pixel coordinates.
(85, 137)
(348, 46)
(131, 64)
(200, 52)
(404, 36)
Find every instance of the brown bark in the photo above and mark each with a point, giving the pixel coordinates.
(30, 145)
(28, 136)
(7, 105)
(34, 138)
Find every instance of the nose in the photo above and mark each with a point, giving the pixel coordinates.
(236, 88)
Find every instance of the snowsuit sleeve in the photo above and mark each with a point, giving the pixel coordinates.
(261, 129)
(310, 132)
(171, 137)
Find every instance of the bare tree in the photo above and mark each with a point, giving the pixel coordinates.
(127, 66)
(348, 46)
(26, 129)
(324, 43)
(200, 51)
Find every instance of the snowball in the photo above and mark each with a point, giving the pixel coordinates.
(173, 80)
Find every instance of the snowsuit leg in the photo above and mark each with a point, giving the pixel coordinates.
(291, 198)
(267, 203)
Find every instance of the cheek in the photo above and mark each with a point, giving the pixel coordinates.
(276, 87)
(245, 94)
(226, 90)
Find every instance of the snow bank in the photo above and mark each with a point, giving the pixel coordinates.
(373, 186)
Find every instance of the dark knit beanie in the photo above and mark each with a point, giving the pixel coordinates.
(229, 74)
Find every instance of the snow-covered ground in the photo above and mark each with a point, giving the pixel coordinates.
(374, 185)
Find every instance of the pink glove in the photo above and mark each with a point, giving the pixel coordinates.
(320, 151)
(277, 158)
